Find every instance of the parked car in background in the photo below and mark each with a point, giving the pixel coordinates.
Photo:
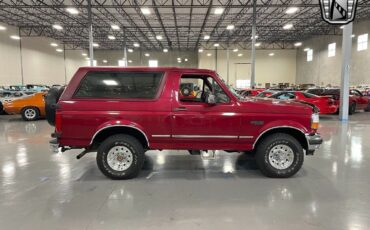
(266, 93)
(325, 104)
(250, 92)
(123, 112)
(357, 101)
(30, 107)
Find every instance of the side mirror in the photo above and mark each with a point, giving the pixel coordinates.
(211, 99)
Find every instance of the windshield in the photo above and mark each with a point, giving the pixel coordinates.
(231, 89)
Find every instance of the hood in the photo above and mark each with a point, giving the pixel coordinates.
(270, 105)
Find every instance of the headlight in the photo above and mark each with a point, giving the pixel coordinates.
(315, 121)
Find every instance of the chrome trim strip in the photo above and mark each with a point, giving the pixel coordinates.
(203, 136)
(110, 126)
(245, 137)
(277, 127)
(164, 136)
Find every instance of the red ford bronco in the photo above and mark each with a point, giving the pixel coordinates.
(122, 112)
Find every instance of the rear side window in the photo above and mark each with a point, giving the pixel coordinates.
(125, 85)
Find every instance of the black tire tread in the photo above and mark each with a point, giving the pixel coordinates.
(134, 169)
(264, 146)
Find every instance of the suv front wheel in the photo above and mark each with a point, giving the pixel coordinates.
(279, 155)
(120, 157)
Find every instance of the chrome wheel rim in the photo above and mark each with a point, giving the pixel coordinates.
(30, 113)
(119, 158)
(281, 157)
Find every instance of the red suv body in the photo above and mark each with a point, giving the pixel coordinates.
(102, 108)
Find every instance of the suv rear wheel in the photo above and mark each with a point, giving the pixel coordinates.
(120, 157)
(279, 155)
(30, 113)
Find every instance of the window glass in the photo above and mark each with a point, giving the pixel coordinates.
(286, 96)
(221, 96)
(355, 92)
(309, 55)
(331, 49)
(362, 41)
(193, 89)
(126, 85)
(308, 95)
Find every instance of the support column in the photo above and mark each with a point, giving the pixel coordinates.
(346, 70)
(253, 61)
(227, 64)
(91, 47)
(65, 65)
(124, 50)
(20, 53)
(216, 60)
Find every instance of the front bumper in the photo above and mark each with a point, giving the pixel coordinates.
(314, 142)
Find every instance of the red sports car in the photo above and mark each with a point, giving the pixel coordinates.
(250, 92)
(325, 103)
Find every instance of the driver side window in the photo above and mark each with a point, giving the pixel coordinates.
(193, 89)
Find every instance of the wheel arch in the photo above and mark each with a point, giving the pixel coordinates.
(105, 132)
(293, 131)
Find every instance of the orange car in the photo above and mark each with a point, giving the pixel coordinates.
(31, 107)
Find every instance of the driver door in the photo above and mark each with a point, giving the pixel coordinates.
(198, 125)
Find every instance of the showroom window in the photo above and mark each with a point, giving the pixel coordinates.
(153, 63)
(242, 84)
(309, 55)
(129, 85)
(362, 42)
(331, 49)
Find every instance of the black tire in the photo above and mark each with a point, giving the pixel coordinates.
(352, 108)
(267, 144)
(133, 145)
(51, 100)
(30, 113)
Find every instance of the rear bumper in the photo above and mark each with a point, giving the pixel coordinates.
(329, 109)
(314, 142)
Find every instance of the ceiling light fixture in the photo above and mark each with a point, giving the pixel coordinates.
(147, 55)
(239, 55)
(216, 45)
(2, 27)
(254, 37)
(84, 54)
(235, 50)
(95, 44)
(129, 61)
(57, 27)
(200, 50)
(230, 27)
(105, 61)
(165, 50)
(291, 10)
(353, 35)
(306, 49)
(298, 44)
(288, 26)
(72, 10)
(209, 54)
(111, 37)
(219, 11)
(15, 37)
(271, 54)
(115, 27)
(206, 37)
(130, 50)
(54, 44)
(257, 44)
(341, 27)
(159, 37)
(59, 50)
(186, 59)
(136, 45)
(145, 11)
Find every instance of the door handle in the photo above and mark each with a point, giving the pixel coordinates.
(180, 109)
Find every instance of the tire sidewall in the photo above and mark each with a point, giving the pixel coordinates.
(103, 161)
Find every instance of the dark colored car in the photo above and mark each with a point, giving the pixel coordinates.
(123, 112)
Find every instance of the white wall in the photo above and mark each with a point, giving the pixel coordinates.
(10, 61)
(324, 70)
(280, 68)
(41, 64)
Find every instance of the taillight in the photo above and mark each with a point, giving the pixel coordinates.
(315, 121)
(58, 122)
